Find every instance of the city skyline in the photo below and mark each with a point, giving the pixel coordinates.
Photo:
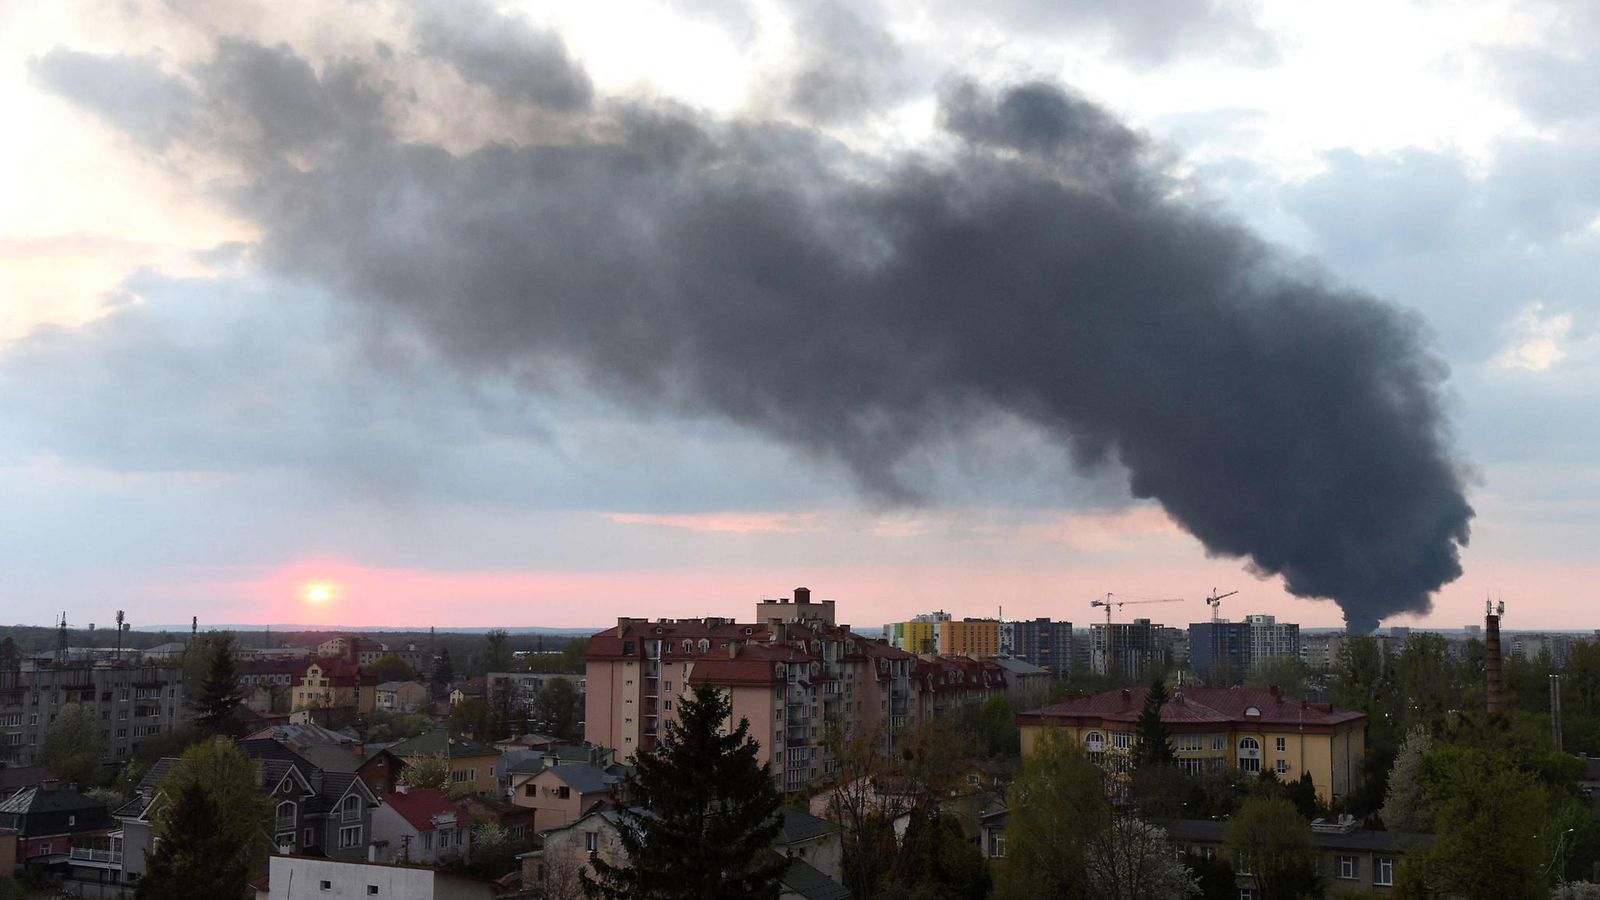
(200, 420)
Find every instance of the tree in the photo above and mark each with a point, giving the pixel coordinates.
(1490, 834)
(1274, 846)
(712, 814)
(1404, 806)
(998, 734)
(231, 782)
(1057, 804)
(393, 668)
(431, 770)
(497, 656)
(556, 708)
(195, 859)
(216, 703)
(1154, 746)
(74, 745)
(1213, 876)
(507, 716)
(470, 717)
(444, 671)
(1287, 673)
(1132, 860)
(936, 862)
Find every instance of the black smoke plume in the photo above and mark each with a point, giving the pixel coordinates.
(862, 307)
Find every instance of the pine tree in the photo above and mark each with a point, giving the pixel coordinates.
(194, 860)
(1155, 746)
(709, 817)
(217, 701)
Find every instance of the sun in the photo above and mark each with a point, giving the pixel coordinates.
(319, 593)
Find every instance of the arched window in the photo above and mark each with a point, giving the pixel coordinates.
(285, 816)
(1249, 755)
(350, 809)
(688, 645)
(1094, 744)
(705, 645)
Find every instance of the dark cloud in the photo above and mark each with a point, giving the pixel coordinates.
(845, 63)
(502, 52)
(131, 92)
(754, 273)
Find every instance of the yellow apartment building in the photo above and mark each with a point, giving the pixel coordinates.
(1212, 728)
(975, 638)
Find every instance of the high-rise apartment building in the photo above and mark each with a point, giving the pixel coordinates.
(1129, 650)
(1270, 638)
(1042, 642)
(1219, 651)
(974, 638)
(920, 634)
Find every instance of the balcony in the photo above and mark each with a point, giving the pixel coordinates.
(284, 824)
(106, 851)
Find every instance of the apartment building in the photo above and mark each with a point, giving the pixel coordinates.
(975, 638)
(920, 634)
(1213, 728)
(1130, 650)
(1219, 651)
(791, 676)
(1041, 642)
(132, 701)
(1270, 638)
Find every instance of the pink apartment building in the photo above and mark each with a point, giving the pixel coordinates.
(789, 673)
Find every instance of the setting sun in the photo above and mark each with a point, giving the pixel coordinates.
(319, 593)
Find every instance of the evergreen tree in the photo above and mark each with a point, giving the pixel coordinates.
(709, 817)
(232, 782)
(444, 671)
(194, 860)
(217, 701)
(1155, 745)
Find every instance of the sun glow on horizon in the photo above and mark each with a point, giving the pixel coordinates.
(318, 593)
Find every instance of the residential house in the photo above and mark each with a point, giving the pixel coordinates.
(402, 696)
(517, 821)
(471, 689)
(331, 683)
(50, 818)
(294, 877)
(473, 766)
(1353, 860)
(1213, 728)
(811, 846)
(558, 795)
(1025, 682)
(421, 826)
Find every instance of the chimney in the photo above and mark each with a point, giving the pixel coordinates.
(1493, 660)
(733, 649)
(49, 784)
(1127, 696)
(802, 595)
(402, 788)
(1273, 690)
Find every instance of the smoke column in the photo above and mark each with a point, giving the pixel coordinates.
(862, 307)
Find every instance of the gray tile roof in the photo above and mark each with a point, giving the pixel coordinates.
(809, 882)
(585, 778)
(801, 826)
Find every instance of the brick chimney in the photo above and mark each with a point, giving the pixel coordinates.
(1493, 660)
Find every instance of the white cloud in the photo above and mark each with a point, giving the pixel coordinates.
(1539, 342)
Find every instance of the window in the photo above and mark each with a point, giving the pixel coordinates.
(326, 885)
(311, 838)
(669, 687)
(1121, 740)
(1282, 745)
(667, 706)
(997, 845)
(1094, 744)
(529, 791)
(372, 890)
(1249, 755)
(1217, 742)
(1187, 742)
(1383, 870)
(350, 810)
(458, 776)
(591, 841)
(1348, 867)
(427, 840)
(349, 836)
(1282, 766)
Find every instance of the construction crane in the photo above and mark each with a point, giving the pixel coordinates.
(1112, 600)
(1215, 602)
(1118, 601)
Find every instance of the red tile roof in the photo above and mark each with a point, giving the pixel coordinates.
(419, 805)
(1196, 707)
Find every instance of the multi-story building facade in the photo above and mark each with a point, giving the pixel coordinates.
(329, 682)
(1320, 652)
(133, 702)
(1042, 642)
(793, 677)
(920, 634)
(975, 638)
(1128, 650)
(1214, 728)
(1270, 638)
(1219, 651)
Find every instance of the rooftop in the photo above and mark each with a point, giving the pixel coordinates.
(1196, 706)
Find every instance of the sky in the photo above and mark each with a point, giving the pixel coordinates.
(525, 314)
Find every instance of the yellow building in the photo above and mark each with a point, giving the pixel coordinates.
(473, 766)
(976, 638)
(916, 636)
(334, 683)
(1212, 728)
